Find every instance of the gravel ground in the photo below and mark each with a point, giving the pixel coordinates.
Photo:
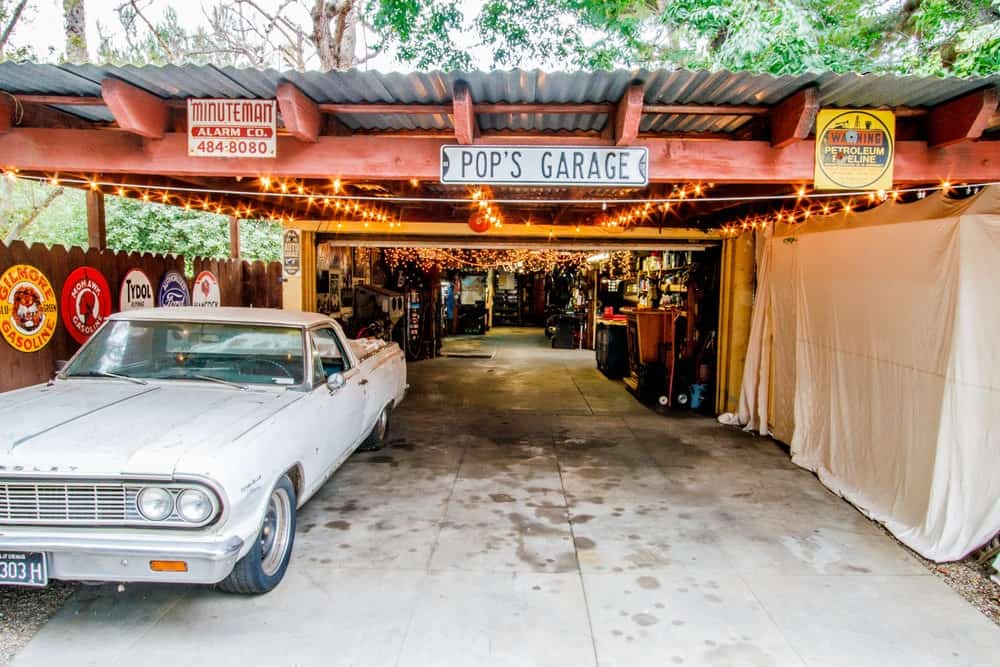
(971, 581)
(23, 611)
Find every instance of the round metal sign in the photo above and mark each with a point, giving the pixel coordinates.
(28, 313)
(86, 302)
(173, 291)
(206, 291)
(136, 291)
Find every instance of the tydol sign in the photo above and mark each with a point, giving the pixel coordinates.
(136, 291)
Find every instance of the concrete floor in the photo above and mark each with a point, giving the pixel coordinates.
(530, 512)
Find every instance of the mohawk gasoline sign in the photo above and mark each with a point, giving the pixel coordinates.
(545, 165)
(232, 128)
(854, 149)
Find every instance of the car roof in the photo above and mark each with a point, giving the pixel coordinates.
(225, 314)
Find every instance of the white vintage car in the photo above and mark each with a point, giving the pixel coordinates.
(177, 444)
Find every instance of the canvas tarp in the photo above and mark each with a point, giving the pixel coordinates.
(875, 354)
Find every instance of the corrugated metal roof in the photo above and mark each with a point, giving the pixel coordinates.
(513, 86)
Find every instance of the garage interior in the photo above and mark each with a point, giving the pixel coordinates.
(563, 499)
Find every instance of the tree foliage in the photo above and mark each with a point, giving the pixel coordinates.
(777, 36)
(135, 225)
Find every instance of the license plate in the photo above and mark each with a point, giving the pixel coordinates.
(23, 569)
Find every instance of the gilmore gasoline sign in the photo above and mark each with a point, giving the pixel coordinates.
(545, 165)
(232, 128)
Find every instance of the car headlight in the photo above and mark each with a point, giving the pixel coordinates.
(155, 504)
(194, 506)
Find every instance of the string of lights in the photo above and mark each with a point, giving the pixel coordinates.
(503, 259)
(485, 208)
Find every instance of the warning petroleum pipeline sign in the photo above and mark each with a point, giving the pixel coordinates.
(854, 149)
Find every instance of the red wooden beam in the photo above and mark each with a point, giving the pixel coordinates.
(301, 115)
(629, 114)
(961, 119)
(396, 158)
(6, 113)
(136, 110)
(466, 128)
(793, 118)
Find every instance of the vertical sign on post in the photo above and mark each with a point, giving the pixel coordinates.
(291, 251)
(232, 128)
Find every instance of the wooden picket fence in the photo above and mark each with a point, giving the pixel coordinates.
(241, 283)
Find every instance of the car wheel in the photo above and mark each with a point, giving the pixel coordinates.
(264, 565)
(376, 439)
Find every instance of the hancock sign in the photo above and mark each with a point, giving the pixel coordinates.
(232, 128)
(545, 165)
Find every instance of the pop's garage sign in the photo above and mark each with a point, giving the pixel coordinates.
(545, 165)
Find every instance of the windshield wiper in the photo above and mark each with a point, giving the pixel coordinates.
(109, 374)
(209, 378)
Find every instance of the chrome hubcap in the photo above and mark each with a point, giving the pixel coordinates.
(274, 535)
(383, 422)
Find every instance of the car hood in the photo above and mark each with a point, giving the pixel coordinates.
(103, 426)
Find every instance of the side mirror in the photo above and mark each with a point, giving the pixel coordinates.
(335, 382)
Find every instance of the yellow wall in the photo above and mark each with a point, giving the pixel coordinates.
(735, 307)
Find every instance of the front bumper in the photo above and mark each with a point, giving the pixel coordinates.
(126, 558)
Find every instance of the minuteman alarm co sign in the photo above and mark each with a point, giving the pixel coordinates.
(232, 128)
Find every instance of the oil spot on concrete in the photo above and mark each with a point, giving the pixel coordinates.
(713, 598)
(859, 570)
(501, 498)
(536, 588)
(634, 537)
(584, 543)
(582, 518)
(326, 561)
(617, 633)
(307, 527)
(677, 622)
(338, 525)
(645, 619)
(383, 459)
(659, 605)
(649, 583)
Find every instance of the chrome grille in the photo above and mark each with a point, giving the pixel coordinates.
(58, 502)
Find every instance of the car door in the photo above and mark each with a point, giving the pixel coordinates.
(343, 406)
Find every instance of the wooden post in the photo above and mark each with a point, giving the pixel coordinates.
(234, 237)
(97, 235)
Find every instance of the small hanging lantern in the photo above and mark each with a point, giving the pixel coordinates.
(479, 223)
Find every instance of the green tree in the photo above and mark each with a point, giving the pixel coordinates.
(134, 225)
(778, 36)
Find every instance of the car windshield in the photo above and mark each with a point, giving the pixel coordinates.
(236, 354)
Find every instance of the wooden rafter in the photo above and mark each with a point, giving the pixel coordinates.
(464, 114)
(961, 119)
(136, 110)
(793, 118)
(628, 115)
(302, 116)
